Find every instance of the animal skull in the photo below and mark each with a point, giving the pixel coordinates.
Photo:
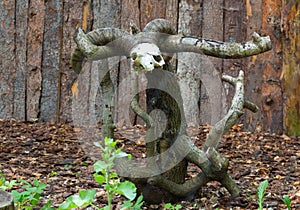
(146, 57)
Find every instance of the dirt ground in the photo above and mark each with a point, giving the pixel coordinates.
(53, 154)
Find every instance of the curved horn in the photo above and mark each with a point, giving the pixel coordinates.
(103, 36)
(179, 43)
(98, 37)
(161, 26)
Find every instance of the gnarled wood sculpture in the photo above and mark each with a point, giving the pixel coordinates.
(161, 177)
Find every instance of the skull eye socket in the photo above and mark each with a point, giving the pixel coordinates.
(157, 58)
(133, 56)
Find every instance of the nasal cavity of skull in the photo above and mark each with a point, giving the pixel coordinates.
(157, 58)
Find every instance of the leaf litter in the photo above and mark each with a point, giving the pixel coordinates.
(53, 154)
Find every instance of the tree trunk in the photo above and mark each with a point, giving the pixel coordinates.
(6, 201)
(291, 67)
(165, 97)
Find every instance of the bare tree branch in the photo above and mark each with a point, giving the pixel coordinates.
(233, 114)
(179, 43)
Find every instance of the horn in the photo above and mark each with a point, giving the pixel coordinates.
(99, 37)
(161, 26)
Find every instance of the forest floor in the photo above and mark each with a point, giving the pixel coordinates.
(53, 154)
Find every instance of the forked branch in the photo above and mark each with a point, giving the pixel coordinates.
(233, 114)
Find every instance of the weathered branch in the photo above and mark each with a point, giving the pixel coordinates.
(233, 114)
(251, 106)
(213, 165)
(179, 43)
(181, 190)
(135, 102)
(235, 111)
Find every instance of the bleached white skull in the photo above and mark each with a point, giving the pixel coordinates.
(146, 57)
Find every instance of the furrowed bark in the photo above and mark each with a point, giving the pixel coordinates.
(107, 88)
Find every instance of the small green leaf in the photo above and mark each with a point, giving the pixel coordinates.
(287, 201)
(99, 178)
(261, 193)
(101, 166)
(262, 188)
(178, 206)
(84, 198)
(112, 145)
(105, 208)
(47, 206)
(97, 144)
(35, 182)
(35, 199)
(121, 154)
(127, 189)
(113, 175)
(129, 156)
(17, 196)
(168, 206)
(109, 187)
(31, 189)
(108, 141)
(67, 204)
(87, 195)
(138, 204)
(127, 205)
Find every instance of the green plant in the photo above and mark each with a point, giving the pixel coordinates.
(84, 198)
(29, 197)
(7, 185)
(261, 193)
(133, 206)
(170, 206)
(47, 206)
(109, 179)
(51, 174)
(287, 201)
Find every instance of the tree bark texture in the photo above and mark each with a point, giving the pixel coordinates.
(37, 80)
(291, 67)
